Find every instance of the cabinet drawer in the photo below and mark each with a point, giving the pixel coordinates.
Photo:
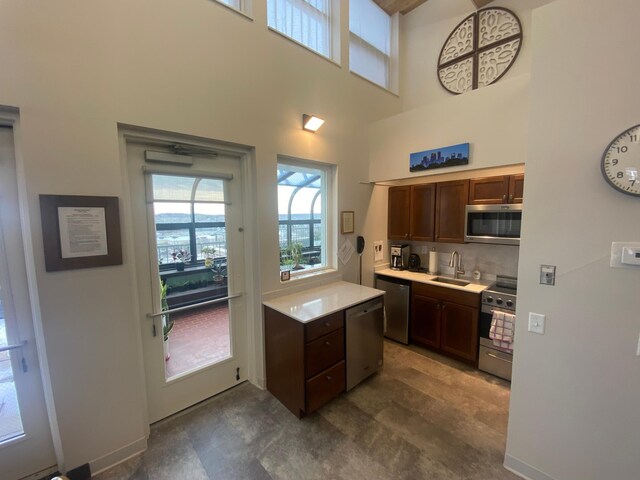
(446, 294)
(324, 325)
(324, 352)
(325, 386)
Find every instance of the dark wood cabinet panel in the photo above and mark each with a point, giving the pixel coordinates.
(305, 363)
(459, 330)
(324, 352)
(398, 224)
(423, 212)
(425, 321)
(496, 190)
(451, 200)
(489, 190)
(446, 320)
(516, 188)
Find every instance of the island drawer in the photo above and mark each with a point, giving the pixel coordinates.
(325, 386)
(324, 352)
(324, 325)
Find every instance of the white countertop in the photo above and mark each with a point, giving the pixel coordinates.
(476, 286)
(317, 302)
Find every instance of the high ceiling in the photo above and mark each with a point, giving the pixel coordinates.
(405, 6)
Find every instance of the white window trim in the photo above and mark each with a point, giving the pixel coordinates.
(329, 206)
(246, 8)
(334, 33)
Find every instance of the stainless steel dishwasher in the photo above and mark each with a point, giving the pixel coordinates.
(396, 307)
(364, 328)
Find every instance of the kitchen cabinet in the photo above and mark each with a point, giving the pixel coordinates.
(496, 190)
(451, 200)
(305, 362)
(446, 320)
(399, 219)
(423, 212)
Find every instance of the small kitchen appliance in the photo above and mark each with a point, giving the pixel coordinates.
(498, 224)
(399, 257)
(501, 297)
(414, 262)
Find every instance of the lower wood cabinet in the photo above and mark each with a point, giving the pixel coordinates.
(305, 363)
(446, 320)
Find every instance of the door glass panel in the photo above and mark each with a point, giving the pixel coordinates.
(10, 420)
(198, 337)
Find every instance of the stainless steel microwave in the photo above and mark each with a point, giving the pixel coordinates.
(498, 224)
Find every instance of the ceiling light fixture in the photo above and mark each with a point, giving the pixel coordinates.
(311, 123)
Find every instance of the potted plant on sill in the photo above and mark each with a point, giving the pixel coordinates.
(180, 258)
(217, 267)
(295, 250)
(167, 325)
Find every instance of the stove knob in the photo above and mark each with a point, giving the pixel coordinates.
(489, 299)
(509, 303)
(499, 301)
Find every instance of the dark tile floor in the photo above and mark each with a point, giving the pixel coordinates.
(421, 417)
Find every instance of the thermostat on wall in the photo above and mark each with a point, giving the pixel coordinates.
(625, 254)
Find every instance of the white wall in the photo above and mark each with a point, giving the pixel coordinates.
(575, 394)
(76, 69)
(493, 119)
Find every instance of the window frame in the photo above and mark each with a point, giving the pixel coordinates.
(333, 31)
(245, 9)
(393, 57)
(327, 217)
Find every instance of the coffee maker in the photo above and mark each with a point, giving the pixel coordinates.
(399, 257)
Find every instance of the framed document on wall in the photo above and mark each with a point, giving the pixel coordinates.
(80, 231)
(346, 222)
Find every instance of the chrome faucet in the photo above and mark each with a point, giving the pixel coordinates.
(458, 268)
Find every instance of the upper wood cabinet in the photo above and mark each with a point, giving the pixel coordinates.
(423, 212)
(496, 190)
(451, 200)
(399, 214)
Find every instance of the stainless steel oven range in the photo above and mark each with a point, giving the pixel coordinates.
(500, 296)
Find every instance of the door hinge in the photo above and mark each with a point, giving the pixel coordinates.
(238, 373)
(155, 334)
(25, 368)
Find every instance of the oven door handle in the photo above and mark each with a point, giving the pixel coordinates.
(493, 355)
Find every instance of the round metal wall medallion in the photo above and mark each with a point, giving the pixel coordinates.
(480, 50)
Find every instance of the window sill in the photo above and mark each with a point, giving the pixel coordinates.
(313, 275)
(235, 10)
(294, 41)
(374, 84)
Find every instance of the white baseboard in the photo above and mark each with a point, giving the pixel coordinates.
(523, 469)
(118, 456)
(41, 474)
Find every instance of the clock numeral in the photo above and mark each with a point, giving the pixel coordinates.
(633, 182)
(620, 175)
(622, 149)
(614, 161)
(633, 137)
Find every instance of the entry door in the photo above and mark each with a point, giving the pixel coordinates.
(25, 439)
(190, 262)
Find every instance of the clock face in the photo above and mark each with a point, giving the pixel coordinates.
(621, 162)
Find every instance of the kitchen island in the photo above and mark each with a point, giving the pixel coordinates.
(312, 339)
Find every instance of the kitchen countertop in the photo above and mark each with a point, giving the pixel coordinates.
(476, 286)
(317, 302)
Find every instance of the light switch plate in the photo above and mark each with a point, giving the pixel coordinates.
(624, 255)
(547, 274)
(536, 322)
(378, 255)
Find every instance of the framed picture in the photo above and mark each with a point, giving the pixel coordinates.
(346, 222)
(452, 156)
(80, 232)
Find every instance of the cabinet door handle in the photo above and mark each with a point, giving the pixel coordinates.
(329, 378)
(504, 198)
(327, 343)
(510, 198)
(444, 306)
(327, 324)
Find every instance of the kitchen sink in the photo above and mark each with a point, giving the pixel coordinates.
(451, 281)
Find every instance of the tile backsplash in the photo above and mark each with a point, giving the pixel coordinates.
(490, 260)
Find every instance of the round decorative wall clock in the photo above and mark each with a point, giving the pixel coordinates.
(620, 162)
(480, 50)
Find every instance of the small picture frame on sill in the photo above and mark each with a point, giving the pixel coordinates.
(347, 222)
(285, 275)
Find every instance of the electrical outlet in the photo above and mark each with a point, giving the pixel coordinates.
(425, 249)
(536, 322)
(547, 274)
(377, 251)
(638, 350)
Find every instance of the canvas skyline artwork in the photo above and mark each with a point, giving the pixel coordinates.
(451, 156)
